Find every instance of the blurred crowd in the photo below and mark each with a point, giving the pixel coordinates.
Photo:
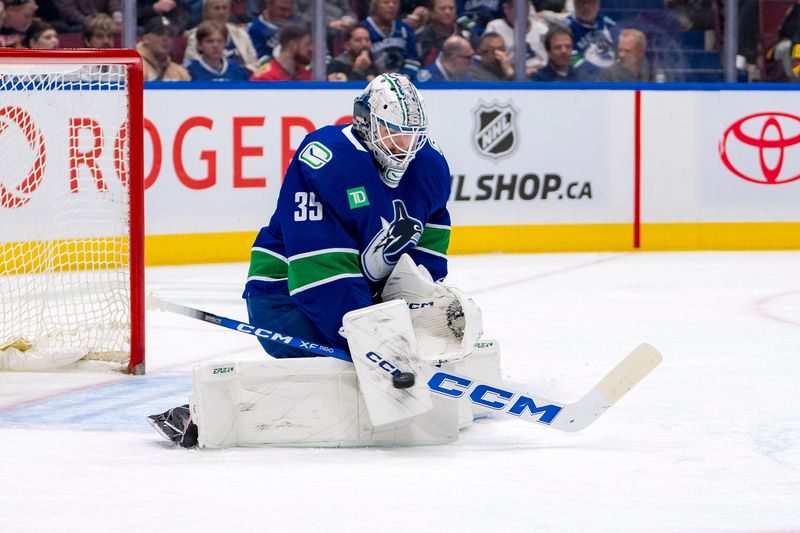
(428, 40)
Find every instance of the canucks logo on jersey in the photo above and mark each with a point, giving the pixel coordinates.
(393, 240)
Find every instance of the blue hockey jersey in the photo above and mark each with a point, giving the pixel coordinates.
(594, 43)
(338, 230)
(395, 51)
(199, 70)
(264, 35)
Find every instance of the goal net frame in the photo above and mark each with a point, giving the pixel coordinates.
(132, 63)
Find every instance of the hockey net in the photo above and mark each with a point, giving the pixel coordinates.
(71, 213)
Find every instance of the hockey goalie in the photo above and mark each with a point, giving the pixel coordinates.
(348, 260)
(353, 261)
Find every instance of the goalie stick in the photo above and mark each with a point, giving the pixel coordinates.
(525, 406)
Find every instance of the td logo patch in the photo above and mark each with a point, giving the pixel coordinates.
(315, 155)
(357, 197)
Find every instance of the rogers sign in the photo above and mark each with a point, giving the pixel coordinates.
(19, 194)
(763, 148)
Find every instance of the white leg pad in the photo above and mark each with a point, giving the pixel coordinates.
(301, 402)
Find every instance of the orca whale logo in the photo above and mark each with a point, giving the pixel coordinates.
(393, 240)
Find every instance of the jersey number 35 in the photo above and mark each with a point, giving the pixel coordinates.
(308, 208)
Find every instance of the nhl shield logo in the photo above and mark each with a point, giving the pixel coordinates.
(495, 134)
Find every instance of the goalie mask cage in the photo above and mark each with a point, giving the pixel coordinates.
(71, 204)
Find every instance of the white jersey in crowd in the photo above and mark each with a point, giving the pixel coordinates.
(536, 55)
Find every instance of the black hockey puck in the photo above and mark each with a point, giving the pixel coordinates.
(403, 380)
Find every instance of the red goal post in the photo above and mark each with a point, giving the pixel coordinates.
(72, 204)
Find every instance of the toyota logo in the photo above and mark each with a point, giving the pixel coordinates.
(763, 148)
(19, 194)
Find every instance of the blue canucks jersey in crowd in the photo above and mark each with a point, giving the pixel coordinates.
(264, 35)
(435, 72)
(595, 43)
(199, 70)
(479, 12)
(338, 231)
(395, 51)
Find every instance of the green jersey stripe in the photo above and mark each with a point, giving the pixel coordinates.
(436, 239)
(270, 252)
(305, 269)
(267, 264)
(322, 282)
(322, 252)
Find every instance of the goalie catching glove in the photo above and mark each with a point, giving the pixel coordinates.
(446, 323)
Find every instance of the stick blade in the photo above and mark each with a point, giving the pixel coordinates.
(630, 371)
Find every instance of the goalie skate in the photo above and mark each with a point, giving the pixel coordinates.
(176, 425)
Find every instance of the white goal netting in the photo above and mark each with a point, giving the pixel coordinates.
(64, 212)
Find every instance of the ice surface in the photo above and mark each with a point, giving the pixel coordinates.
(710, 441)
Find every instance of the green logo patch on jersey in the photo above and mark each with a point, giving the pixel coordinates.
(357, 197)
(315, 155)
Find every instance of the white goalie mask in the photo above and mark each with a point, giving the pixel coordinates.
(390, 118)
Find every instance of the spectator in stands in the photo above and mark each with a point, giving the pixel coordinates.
(264, 30)
(695, 15)
(293, 60)
(535, 53)
(339, 15)
(212, 65)
(413, 12)
(594, 35)
(494, 63)
(2, 13)
(194, 12)
(748, 38)
(98, 31)
(476, 14)
(631, 65)
(431, 37)
(40, 34)
(452, 64)
(72, 13)
(394, 48)
(238, 46)
(177, 11)
(242, 11)
(356, 61)
(155, 47)
(558, 43)
(789, 40)
(18, 18)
